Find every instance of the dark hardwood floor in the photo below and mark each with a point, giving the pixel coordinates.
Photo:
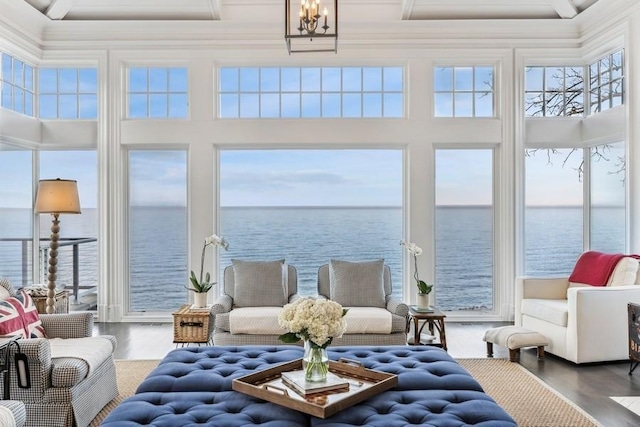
(590, 386)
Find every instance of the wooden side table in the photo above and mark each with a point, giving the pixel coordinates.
(192, 326)
(435, 320)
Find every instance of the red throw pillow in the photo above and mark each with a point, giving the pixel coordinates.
(19, 316)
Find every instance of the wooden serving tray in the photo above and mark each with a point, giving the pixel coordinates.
(363, 384)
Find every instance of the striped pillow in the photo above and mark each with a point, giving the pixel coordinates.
(19, 316)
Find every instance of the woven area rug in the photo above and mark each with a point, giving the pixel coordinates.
(525, 397)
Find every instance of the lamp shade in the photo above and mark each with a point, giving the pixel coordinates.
(57, 196)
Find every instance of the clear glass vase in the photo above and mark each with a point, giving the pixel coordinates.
(315, 362)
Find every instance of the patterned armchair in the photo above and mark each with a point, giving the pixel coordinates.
(72, 375)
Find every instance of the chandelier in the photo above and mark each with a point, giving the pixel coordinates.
(311, 26)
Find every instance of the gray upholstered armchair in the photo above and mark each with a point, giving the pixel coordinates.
(375, 317)
(253, 295)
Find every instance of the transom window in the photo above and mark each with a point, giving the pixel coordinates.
(310, 92)
(554, 91)
(606, 77)
(68, 93)
(157, 93)
(463, 92)
(17, 88)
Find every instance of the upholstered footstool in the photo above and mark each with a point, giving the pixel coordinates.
(514, 338)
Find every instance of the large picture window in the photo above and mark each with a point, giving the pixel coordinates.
(292, 92)
(157, 205)
(553, 215)
(311, 206)
(464, 230)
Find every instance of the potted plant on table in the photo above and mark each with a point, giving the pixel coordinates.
(424, 289)
(201, 286)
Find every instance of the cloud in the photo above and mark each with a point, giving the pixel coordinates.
(244, 180)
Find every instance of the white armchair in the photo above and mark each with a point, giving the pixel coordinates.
(582, 323)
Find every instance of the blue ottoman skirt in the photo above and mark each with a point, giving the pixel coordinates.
(192, 387)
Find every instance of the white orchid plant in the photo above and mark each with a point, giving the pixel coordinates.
(416, 250)
(317, 320)
(203, 286)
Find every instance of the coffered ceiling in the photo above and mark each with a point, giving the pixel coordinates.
(259, 10)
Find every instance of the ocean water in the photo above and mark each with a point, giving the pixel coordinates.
(309, 237)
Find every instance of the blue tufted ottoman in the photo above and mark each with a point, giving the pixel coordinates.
(192, 387)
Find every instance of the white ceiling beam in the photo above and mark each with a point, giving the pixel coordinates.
(565, 8)
(214, 7)
(407, 8)
(58, 9)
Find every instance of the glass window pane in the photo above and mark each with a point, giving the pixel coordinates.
(48, 107)
(554, 78)
(138, 107)
(443, 104)
(443, 78)
(157, 200)
(7, 75)
(331, 105)
(17, 216)
(229, 106)
(372, 105)
(553, 214)
(18, 100)
(616, 65)
(464, 216)
(534, 104)
(483, 79)
(138, 80)
(372, 79)
(178, 106)
(88, 80)
(229, 80)
(270, 105)
(393, 78)
(533, 78)
(249, 105)
(28, 104)
(68, 106)
(484, 104)
(178, 79)
(352, 79)
(311, 79)
(310, 105)
(348, 185)
(463, 78)
(18, 73)
(270, 79)
(291, 78)
(331, 79)
(608, 198)
(574, 79)
(463, 105)
(249, 80)
(48, 80)
(158, 105)
(158, 80)
(88, 108)
(351, 105)
(68, 80)
(574, 104)
(290, 105)
(7, 95)
(393, 105)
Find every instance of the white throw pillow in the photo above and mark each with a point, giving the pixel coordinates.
(357, 284)
(624, 273)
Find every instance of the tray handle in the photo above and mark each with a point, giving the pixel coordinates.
(276, 389)
(351, 362)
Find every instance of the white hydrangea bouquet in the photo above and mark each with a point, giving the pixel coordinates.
(317, 322)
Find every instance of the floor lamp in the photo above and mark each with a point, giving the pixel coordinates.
(55, 196)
